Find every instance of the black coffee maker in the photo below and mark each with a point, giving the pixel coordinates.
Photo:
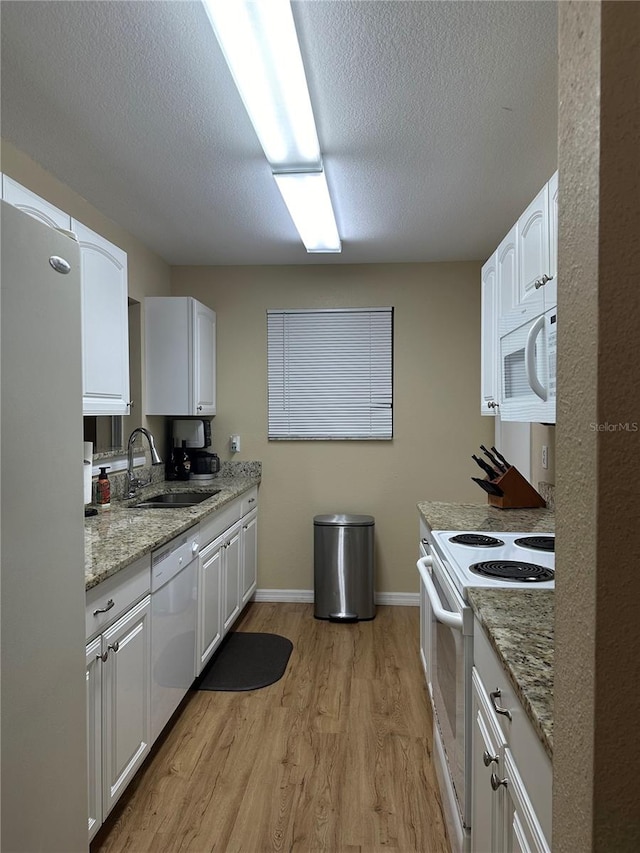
(189, 460)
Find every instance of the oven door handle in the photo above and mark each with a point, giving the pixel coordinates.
(453, 620)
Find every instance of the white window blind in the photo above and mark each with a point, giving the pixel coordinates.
(330, 373)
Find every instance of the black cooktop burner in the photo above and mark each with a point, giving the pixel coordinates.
(477, 540)
(513, 570)
(538, 543)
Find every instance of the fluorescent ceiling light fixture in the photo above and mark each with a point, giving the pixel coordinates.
(260, 44)
(306, 194)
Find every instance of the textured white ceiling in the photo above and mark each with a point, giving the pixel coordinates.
(437, 122)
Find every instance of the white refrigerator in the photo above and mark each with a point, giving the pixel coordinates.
(42, 599)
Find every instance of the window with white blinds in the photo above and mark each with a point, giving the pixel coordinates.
(330, 373)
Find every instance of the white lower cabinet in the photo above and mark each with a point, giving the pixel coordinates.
(118, 689)
(118, 630)
(209, 611)
(249, 556)
(230, 577)
(487, 766)
(511, 774)
(227, 571)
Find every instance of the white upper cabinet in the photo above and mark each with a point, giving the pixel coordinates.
(533, 249)
(30, 203)
(105, 325)
(550, 289)
(521, 277)
(204, 360)
(105, 333)
(180, 356)
(507, 273)
(489, 351)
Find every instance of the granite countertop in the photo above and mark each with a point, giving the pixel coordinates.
(118, 536)
(519, 626)
(467, 517)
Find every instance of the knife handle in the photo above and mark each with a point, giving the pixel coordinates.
(493, 460)
(501, 457)
(491, 474)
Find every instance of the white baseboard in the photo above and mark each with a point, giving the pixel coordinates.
(305, 596)
(398, 599)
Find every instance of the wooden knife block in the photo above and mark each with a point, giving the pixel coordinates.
(518, 492)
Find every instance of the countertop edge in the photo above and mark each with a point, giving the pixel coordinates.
(121, 535)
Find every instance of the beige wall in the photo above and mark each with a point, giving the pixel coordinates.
(543, 435)
(437, 424)
(597, 673)
(149, 275)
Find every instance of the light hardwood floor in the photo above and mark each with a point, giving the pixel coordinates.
(336, 756)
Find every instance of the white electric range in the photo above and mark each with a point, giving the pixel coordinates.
(451, 562)
(509, 560)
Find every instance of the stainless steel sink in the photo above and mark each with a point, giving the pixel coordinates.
(175, 500)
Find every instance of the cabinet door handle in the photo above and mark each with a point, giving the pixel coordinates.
(251, 500)
(497, 782)
(114, 646)
(488, 759)
(540, 282)
(199, 408)
(111, 603)
(103, 657)
(504, 711)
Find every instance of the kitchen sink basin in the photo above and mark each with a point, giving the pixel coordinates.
(175, 500)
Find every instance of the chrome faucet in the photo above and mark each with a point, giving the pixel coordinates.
(134, 482)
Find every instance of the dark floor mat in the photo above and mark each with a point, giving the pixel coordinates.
(247, 661)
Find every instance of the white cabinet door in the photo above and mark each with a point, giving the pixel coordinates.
(533, 249)
(231, 577)
(94, 733)
(105, 325)
(489, 352)
(550, 290)
(32, 204)
(487, 804)
(523, 833)
(249, 555)
(507, 273)
(180, 342)
(204, 373)
(209, 601)
(126, 688)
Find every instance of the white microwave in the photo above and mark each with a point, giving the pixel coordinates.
(528, 351)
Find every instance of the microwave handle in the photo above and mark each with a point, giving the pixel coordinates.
(530, 359)
(453, 620)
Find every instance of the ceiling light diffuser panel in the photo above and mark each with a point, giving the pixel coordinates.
(260, 45)
(306, 195)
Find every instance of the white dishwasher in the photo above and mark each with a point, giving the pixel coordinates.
(173, 625)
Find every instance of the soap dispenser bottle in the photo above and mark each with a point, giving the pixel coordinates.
(103, 489)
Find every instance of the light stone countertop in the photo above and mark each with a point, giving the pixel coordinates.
(467, 517)
(116, 537)
(519, 626)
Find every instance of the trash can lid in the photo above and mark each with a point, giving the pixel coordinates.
(345, 520)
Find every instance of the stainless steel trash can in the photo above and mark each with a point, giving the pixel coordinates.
(343, 567)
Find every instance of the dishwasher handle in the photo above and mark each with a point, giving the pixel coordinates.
(452, 620)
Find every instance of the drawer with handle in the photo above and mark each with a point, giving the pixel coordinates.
(250, 500)
(112, 597)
